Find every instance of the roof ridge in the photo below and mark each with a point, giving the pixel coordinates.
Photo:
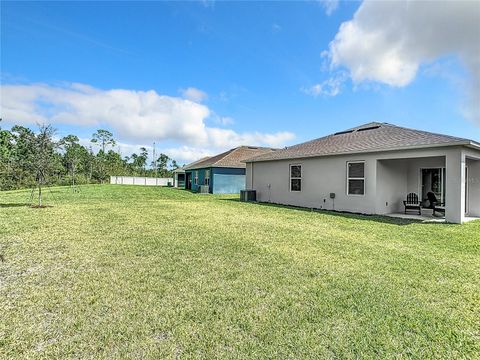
(369, 124)
(232, 151)
(372, 136)
(253, 147)
(199, 160)
(428, 132)
(372, 123)
(225, 154)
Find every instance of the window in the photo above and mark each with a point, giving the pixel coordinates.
(356, 178)
(295, 177)
(195, 179)
(207, 177)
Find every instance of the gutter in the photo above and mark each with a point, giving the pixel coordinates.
(216, 166)
(474, 145)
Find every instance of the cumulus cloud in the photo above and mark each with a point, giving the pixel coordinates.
(134, 116)
(186, 154)
(182, 154)
(225, 120)
(387, 41)
(330, 87)
(194, 94)
(330, 6)
(225, 138)
(208, 3)
(276, 28)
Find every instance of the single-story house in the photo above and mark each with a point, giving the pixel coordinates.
(371, 169)
(179, 174)
(223, 173)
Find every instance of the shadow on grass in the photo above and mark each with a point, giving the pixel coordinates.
(185, 190)
(345, 214)
(10, 205)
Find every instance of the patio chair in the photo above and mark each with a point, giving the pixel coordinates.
(436, 205)
(412, 203)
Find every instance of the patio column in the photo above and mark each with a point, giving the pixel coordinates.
(455, 186)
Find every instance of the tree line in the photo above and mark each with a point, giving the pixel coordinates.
(31, 158)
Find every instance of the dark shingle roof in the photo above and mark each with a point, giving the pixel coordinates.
(184, 167)
(369, 137)
(233, 158)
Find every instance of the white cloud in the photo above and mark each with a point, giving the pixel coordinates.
(330, 87)
(387, 41)
(133, 116)
(225, 120)
(194, 94)
(208, 3)
(225, 138)
(330, 6)
(182, 154)
(186, 154)
(276, 28)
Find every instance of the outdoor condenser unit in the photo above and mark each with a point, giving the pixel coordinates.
(204, 189)
(248, 195)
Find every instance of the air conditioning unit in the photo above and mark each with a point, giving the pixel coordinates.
(248, 195)
(204, 189)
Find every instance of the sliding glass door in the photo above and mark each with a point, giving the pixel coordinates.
(466, 190)
(433, 180)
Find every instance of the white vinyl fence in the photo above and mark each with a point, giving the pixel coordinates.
(138, 180)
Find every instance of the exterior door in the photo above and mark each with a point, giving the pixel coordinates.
(188, 180)
(433, 180)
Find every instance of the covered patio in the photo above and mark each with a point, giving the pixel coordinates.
(451, 175)
(179, 178)
(427, 216)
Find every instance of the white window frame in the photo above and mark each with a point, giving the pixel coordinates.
(195, 179)
(364, 178)
(292, 178)
(207, 177)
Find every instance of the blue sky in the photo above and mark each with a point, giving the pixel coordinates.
(201, 77)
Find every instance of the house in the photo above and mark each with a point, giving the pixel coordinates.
(223, 173)
(179, 174)
(370, 169)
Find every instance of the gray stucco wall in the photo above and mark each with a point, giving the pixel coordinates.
(389, 176)
(320, 177)
(392, 185)
(228, 184)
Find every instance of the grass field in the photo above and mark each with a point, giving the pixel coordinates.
(144, 272)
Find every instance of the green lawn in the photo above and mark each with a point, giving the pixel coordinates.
(143, 272)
